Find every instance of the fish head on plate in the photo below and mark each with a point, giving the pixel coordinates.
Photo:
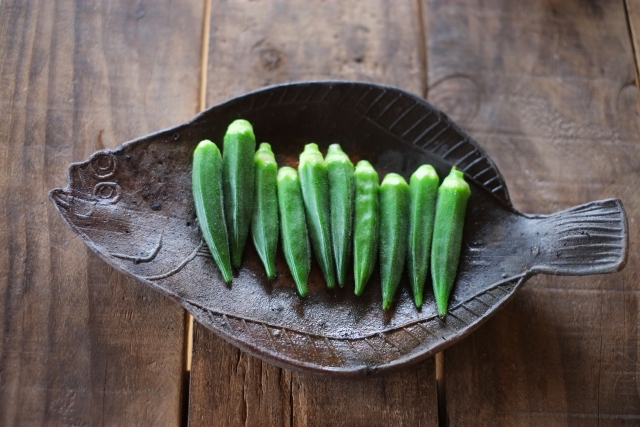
(134, 207)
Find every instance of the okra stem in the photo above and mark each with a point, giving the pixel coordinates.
(447, 236)
(238, 180)
(366, 223)
(424, 190)
(314, 182)
(341, 192)
(264, 222)
(394, 232)
(293, 226)
(207, 194)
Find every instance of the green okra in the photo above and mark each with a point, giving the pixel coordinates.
(366, 223)
(207, 194)
(447, 236)
(264, 220)
(314, 181)
(293, 227)
(423, 186)
(341, 192)
(237, 183)
(395, 200)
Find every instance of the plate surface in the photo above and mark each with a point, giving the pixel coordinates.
(133, 206)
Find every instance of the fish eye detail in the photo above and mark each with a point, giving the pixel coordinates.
(104, 165)
(107, 192)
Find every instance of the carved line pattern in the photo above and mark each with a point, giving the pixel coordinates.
(311, 94)
(429, 124)
(138, 259)
(371, 349)
(180, 266)
(112, 197)
(593, 232)
(103, 172)
(295, 98)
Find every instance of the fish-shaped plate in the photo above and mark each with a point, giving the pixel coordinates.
(133, 207)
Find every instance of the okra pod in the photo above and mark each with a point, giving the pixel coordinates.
(424, 190)
(366, 223)
(341, 191)
(293, 227)
(264, 221)
(238, 170)
(395, 199)
(447, 236)
(207, 194)
(314, 182)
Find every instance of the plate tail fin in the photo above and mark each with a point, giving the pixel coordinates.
(586, 239)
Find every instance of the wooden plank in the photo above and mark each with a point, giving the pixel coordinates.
(81, 344)
(254, 44)
(548, 88)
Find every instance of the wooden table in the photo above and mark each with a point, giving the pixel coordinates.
(549, 89)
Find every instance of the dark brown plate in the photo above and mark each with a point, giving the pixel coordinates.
(133, 207)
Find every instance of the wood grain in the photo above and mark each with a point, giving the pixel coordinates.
(548, 88)
(254, 44)
(80, 343)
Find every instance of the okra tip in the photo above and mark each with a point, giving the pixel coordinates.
(442, 304)
(417, 299)
(227, 277)
(270, 272)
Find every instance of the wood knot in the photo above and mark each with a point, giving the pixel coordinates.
(458, 96)
(271, 59)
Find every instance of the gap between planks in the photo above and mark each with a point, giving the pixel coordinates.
(632, 42)
(422, 49)
(441, 396)
(202, 105)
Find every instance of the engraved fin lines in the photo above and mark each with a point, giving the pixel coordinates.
(372, 348)
(456, 150)
(428, 120)
(592, 234)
